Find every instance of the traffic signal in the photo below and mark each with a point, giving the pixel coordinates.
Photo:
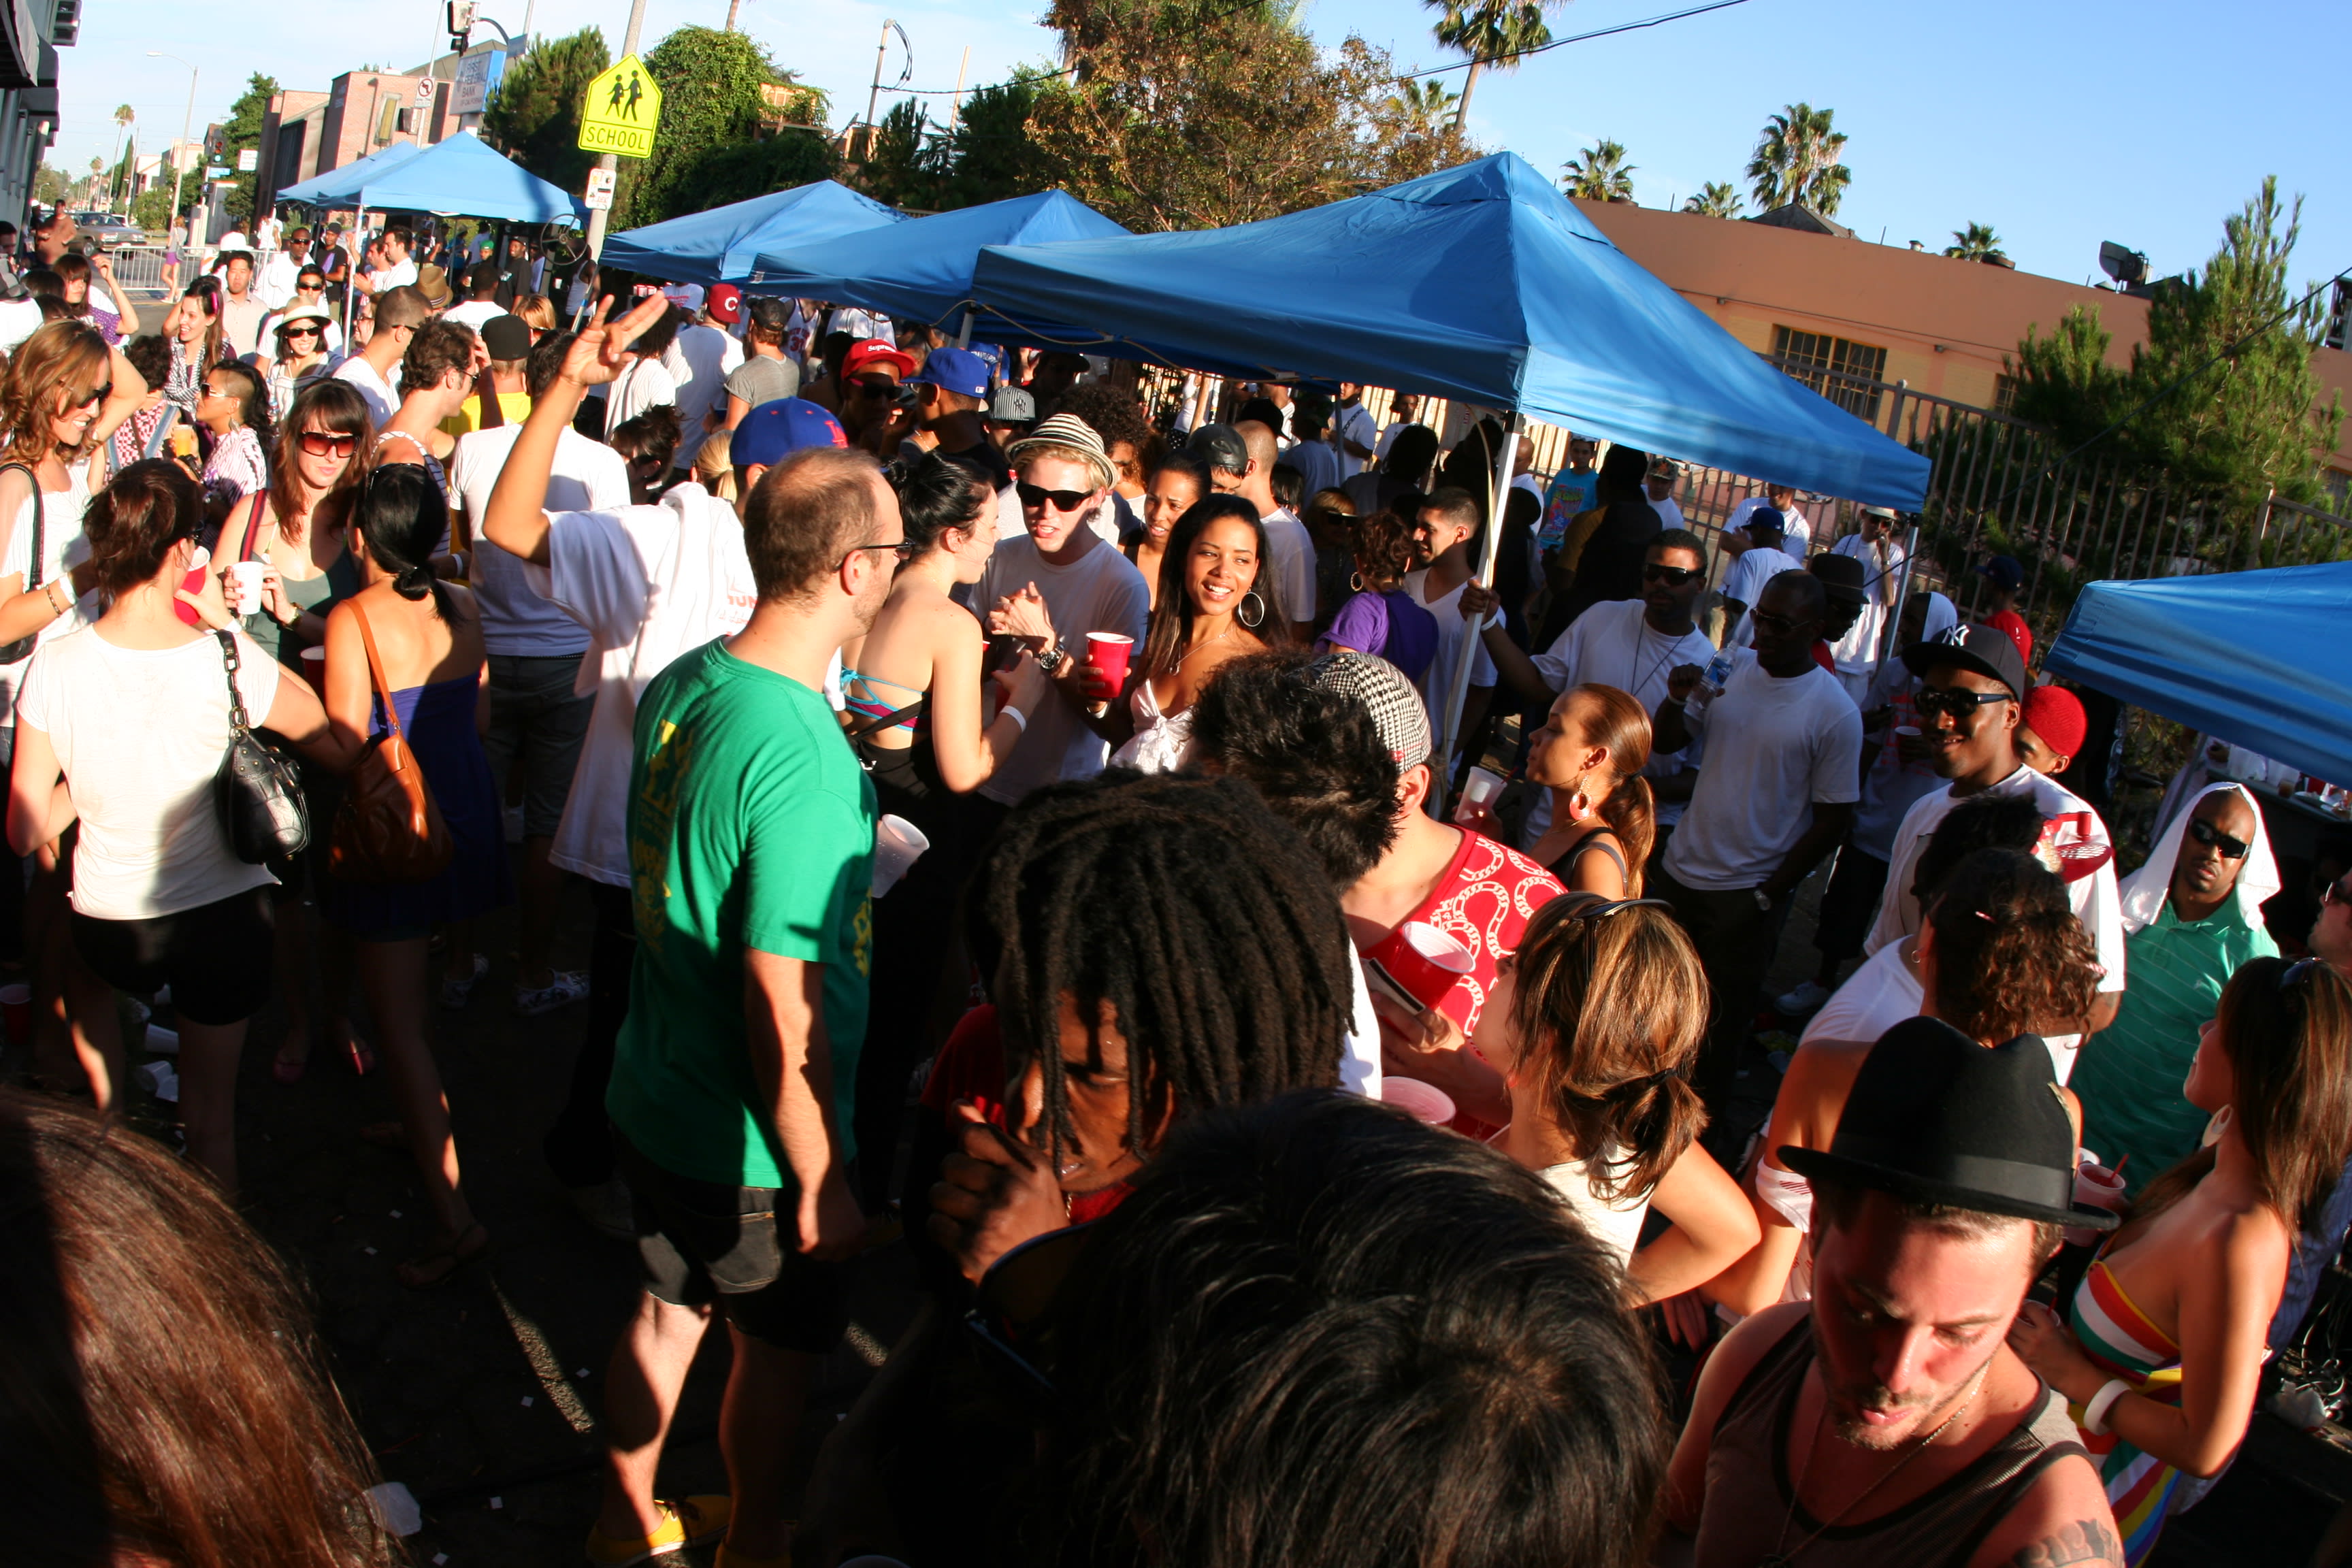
(461, 24)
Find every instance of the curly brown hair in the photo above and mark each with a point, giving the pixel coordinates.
(60, 366)
(2011, 956)
(1383, 550)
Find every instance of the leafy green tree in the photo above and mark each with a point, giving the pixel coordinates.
(1977, 242)
(748, 169)
(1492, 33)
(712, 84)
(1192, 114)
(151, 209)
(1410, 130)
(1716, 198)
(2065, 383)
(1797, 161)
(899, 167)
(534, 117)
(242, 133)
(1598, 173)
(50, 186)
(990, 154)
(1423, 106)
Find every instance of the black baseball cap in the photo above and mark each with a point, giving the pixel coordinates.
(2003, 572)
(507, 337)
(1841, 575)
(1972, 645)
(1221, 447)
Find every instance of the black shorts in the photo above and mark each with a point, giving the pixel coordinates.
(217, 958)
(698, 1241)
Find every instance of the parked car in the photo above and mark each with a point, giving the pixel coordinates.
(108, 230)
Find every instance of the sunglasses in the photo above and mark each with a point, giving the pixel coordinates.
(1766, 621)
(95, 395)
(2336, 892)
(1063, 501)
(904, 550)
(2212, 837)
(1588, 918)
(876, 386)
(1672, 577)
(301, 332)
(319, 444)
(1955, 702)
(2294, 971)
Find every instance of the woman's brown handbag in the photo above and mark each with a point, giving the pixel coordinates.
(388, 829)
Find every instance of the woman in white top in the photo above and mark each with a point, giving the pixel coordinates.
(122, 727)
(2000, 955)
(64, 396)
(1214, 605)
(1593, 1022)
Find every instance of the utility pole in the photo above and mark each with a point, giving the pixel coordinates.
(180, 153)
(597, 217)
(874, 97)
(955, 104)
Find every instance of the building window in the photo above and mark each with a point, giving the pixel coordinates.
(1806, 355)
(2004, 395)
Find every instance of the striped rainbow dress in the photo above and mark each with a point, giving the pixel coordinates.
(2119, 1337)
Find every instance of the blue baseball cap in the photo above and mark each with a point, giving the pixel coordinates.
(958, 370)
(772, 430)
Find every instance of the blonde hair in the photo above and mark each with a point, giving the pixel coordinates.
(714, 465)
(536, 310)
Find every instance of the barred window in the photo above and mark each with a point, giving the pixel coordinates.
(1808, 355)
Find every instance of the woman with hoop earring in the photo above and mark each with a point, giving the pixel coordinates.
(1382, 618)
(1215, 604)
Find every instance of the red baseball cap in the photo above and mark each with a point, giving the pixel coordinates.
(874, 350)
(725, 303)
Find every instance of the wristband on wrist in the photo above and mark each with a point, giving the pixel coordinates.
(51, 592)
(1020, 720)
(2095, 1414)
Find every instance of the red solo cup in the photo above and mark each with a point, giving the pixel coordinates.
(1424, 1102)
(16, 1011)
(1109, 652)
(1421, 960)
(314, 669)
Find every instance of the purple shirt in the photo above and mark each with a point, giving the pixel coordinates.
(1390, 626)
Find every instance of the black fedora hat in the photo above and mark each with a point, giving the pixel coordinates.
(1936, 1118)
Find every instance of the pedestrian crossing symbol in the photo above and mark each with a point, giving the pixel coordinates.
(622, 111)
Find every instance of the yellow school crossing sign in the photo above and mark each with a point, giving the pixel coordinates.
(622, 109)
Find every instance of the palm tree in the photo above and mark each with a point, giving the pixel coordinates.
(1797, 161)
(1418, 107)
(1976, 243)
(1492, 33)
(123, 116)
(1598, 173)
(1716, 198)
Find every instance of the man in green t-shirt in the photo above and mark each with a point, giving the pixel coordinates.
(751, 845)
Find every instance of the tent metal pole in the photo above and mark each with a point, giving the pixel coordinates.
(1902, 596)
(963, 333)
(1452, 732)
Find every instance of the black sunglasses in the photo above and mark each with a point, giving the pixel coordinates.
(2336, 892)
(877, 386)
(904, 550)
(1588, 916)
(1672, 577)
(1779, 626)
(2212, 837)
(2294, 971)
(1063, 501)
(1953, 701)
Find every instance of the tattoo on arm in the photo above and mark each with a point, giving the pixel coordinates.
(2086, 1541)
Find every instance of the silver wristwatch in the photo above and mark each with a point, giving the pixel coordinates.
(1053, 658)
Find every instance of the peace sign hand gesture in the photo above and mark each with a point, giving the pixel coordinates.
(601, 349)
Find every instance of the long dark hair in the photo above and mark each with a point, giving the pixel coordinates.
(338, 407)
(936, 494)
(1171, 628)
(1612, 719)
(132, 524)
(208, 290)
(161, 1394)
(400, 513)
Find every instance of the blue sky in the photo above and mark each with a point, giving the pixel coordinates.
(2059, 122)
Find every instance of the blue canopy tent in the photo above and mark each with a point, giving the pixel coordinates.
(924, 273)
(723, 245)
(1481, 283)
(344, 184)
(466, 176)
(2254, 658)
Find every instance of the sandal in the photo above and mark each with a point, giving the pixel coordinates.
(423, 1273)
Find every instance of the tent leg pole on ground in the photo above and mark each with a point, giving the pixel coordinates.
(1506, 455)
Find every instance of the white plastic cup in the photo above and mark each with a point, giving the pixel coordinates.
(163, 1042)
(1478, 790)
(248, 575)
(1423, 1101)
(897, 844)
(1909, 730)
(2096, 1187)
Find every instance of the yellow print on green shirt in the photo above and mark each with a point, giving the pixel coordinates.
(861, 926)
(667, 762)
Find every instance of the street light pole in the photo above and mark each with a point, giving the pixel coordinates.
(187, 119)
(599, 217)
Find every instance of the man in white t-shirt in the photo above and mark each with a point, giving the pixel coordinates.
(1444, 532)
(398, 272)
(1797, 533)
(1972, 683)
(1052, 588)
(1658, 489)
(1289, 549)
(1630, 644)
(1781, 737)
(540, 711)
(645, 583)
(1883, 559)
(645, 384)
(698, 362)
(1353, 433)
(1758, 563)
(482, 298)
(375, 369)
(1404, 410)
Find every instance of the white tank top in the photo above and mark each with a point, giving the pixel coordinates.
(1616, 1224)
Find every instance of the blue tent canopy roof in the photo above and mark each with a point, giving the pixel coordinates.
(344, 184)
(924, 271)
(1482, 283)
(723, 245)
(466, 175)
(2255, 657)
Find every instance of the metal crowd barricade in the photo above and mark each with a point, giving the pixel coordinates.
(140, 269)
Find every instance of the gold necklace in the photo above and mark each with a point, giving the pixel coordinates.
(1777, 1558)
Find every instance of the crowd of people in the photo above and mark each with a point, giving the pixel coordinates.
(1015, 825)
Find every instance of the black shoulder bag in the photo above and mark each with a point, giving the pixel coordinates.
(20, 650)
(257, 789)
